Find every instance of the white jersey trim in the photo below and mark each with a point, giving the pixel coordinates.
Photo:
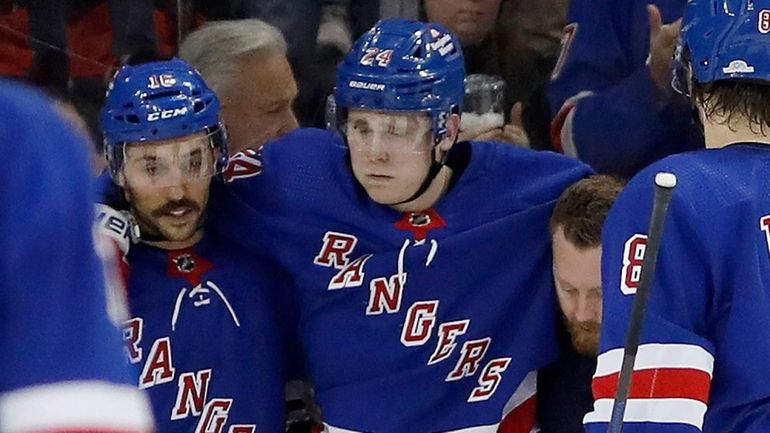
(567, 133)
(657, 410)
(492, 428)
(656, 355)
(86, 405)
(526, 390)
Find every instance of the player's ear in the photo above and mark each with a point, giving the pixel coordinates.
(452, 129)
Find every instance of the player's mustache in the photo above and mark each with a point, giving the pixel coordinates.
(174, 205)
(587, 326)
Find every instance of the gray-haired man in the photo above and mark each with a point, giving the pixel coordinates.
(244, 61)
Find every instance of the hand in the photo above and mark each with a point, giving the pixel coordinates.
(114, 234)
(663, 39)
(116, 226)
(512, 133)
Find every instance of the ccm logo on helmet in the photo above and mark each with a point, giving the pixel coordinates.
(377, 87)
(166, 114)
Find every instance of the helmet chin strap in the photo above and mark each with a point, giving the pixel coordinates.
(433, 171)
(694, 111)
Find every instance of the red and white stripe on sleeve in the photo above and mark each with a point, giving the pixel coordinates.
(670, 384)
(562, 135)
(76, 407)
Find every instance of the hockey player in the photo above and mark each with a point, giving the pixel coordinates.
(701, 365)
(61, 368)
(610, 92)
(205, 331)
(422, 264)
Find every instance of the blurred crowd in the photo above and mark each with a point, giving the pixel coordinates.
(73, 47)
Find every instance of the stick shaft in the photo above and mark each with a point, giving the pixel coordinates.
(662, 199)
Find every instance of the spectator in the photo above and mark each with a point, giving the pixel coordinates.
(472, 21)
(131, 29)
(314, 63)
(513, 39)
(245, 63)
(69, 47)
(564, 387)
(62, 367)
(615, 108)
(313, 51)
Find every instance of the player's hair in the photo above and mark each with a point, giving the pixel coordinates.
(215, 48)
(732, 101)
(582, 208)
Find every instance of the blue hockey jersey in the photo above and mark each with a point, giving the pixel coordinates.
(702, 362)
(602, 95)
(207, 337)
(412, 322)
(61, 367)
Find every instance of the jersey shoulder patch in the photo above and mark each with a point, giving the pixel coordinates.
(244, 164)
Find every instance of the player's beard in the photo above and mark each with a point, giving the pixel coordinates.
(584, 336)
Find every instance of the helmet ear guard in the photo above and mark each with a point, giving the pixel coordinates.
(440, 124)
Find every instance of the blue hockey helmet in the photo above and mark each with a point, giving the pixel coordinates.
(724, 40)
(402, 65)
(159, 101)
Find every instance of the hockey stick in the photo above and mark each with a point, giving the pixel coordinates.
(664, 188)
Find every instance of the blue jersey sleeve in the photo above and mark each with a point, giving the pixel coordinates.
(603, 97)
(63, 356)
(674, 364)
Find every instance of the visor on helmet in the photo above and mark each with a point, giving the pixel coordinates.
(391, 131)
(171, 162)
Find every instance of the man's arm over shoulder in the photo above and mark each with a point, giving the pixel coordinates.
(607, 109)
(266, 189)
(537, 176)
(280, 157)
